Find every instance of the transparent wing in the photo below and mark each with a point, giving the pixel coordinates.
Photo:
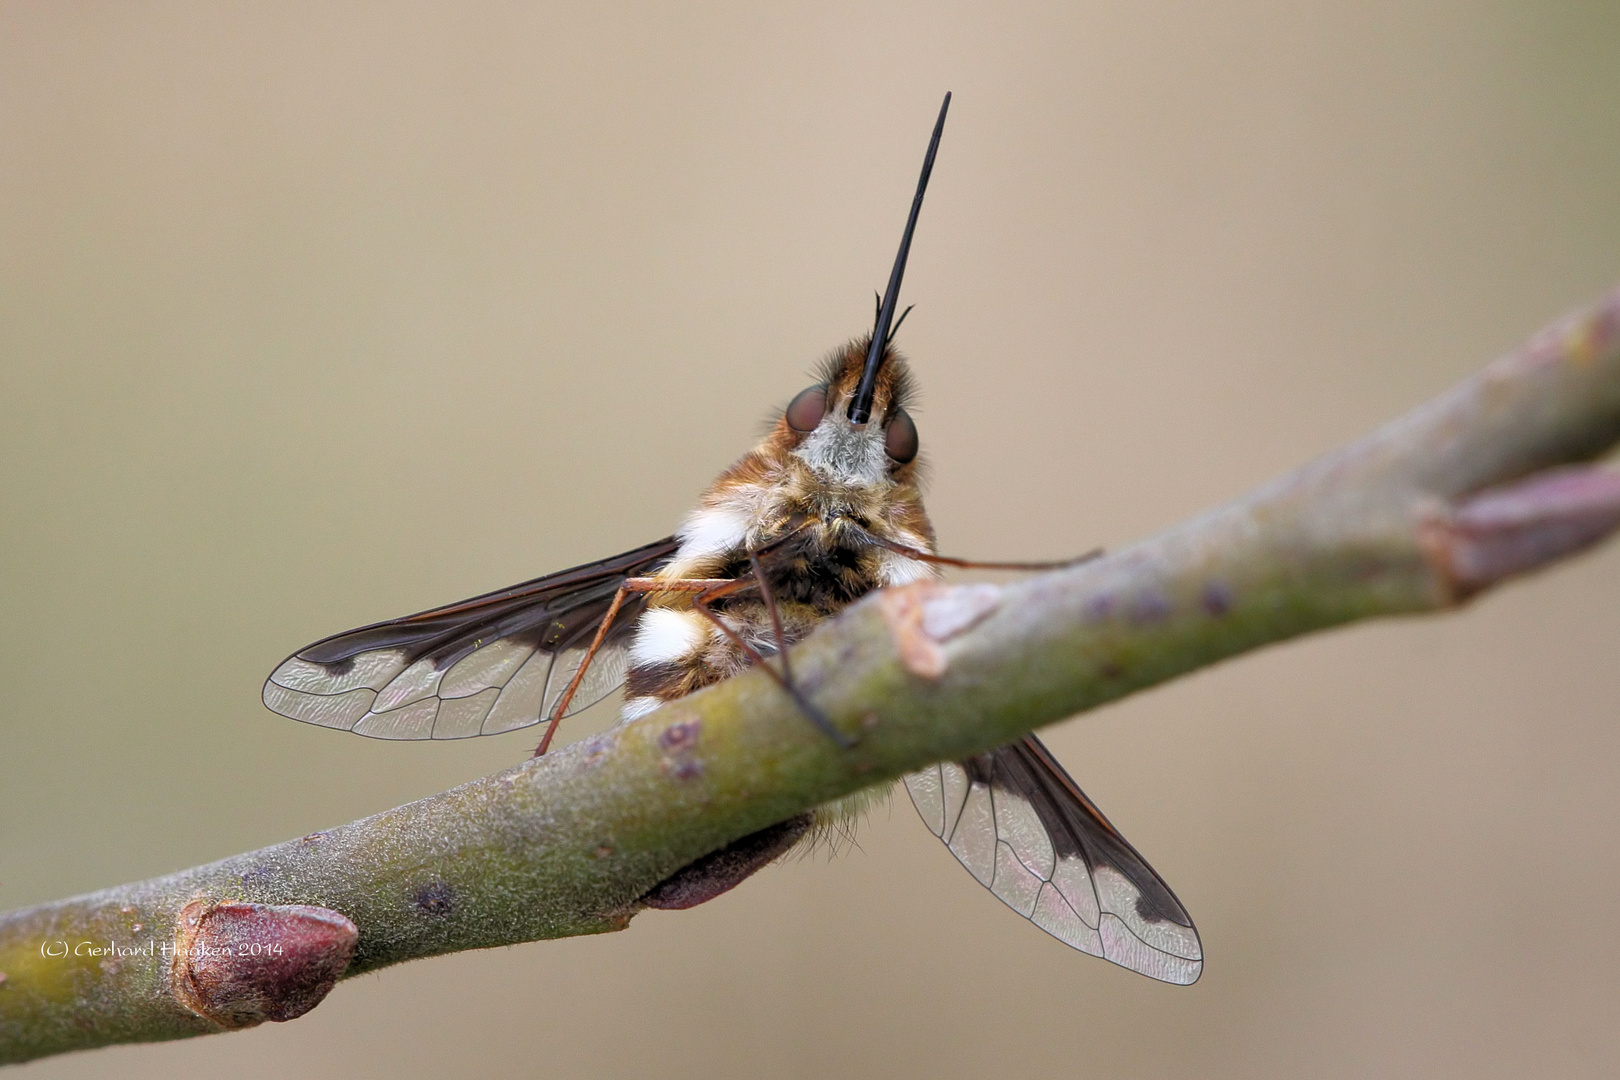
(1021, 825)
(495, 663)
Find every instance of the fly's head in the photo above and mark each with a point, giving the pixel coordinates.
(877, 454)
(835, 470)
(833, 482)
(818, 471)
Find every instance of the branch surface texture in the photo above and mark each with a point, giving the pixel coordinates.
(1483, 483)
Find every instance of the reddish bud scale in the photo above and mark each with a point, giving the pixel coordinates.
(242, 964)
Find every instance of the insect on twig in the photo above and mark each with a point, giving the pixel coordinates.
(824, 510)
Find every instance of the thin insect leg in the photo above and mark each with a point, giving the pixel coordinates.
(968, 564)
(756, 561)
(712, 589)
(701, 603)
(579, 674)
(719, 590)
(770, 546)
(702, 584)
(631, 585)
(776, 618)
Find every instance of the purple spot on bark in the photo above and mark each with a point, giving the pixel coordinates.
(434, 898)
(684, 768)
(679, 736)
(1100, 608)
(256, 874)
(1150, 607)
(1217, 599)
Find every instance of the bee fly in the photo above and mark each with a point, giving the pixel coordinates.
(823, 511)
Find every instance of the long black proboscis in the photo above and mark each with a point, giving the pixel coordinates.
(860, 407)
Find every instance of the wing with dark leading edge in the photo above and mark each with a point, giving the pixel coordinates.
(495, 663)
(1021, 825)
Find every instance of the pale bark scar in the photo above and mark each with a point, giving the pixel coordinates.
(925, 615)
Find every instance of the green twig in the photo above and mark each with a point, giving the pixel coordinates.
(1474, 487)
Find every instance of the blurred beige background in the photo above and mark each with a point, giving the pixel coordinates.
(312, 315)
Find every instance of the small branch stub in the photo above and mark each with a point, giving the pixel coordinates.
(1515, 528)
(242, 964)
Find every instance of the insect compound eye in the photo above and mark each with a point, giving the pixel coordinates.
(900, 441)
(805, 411)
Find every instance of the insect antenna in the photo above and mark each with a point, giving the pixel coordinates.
(860, 406)
(890, 339)
(877, 313)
